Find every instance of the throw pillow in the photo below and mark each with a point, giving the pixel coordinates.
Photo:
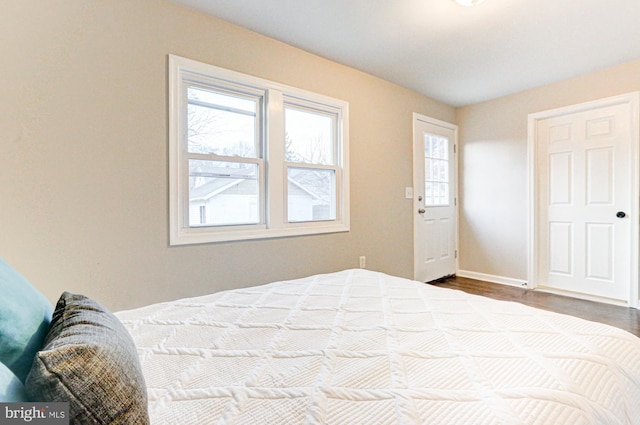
(24, 319)
(89, 360)
(11, 388)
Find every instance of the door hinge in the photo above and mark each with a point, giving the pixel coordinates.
(455, 254)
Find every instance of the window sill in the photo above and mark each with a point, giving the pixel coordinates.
(190, 236)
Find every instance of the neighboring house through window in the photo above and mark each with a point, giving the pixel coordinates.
(251, 158)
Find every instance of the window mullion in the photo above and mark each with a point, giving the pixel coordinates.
(310, 166)
(276, 173)
(214, 157)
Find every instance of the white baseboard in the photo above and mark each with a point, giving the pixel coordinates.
(523, 284)
(582, 296)
(492, 278)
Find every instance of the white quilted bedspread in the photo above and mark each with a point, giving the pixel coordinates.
(360, 347)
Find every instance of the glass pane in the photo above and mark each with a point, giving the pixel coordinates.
(309, 137)
(436, 170)
(439, 148)
(436, 166)
(311, 194)
(221, 124)
(428, 193)
(428, 170)
(441, 194)
(223, 193)
(223, 99)
(444, 171)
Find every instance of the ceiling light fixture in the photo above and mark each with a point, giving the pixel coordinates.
(469, 3)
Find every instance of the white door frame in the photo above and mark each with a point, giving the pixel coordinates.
(633, 99)
(454, 186)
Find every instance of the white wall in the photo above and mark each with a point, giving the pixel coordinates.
(493, 137)
(83, 169)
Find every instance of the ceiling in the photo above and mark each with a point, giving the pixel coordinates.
(458, 55)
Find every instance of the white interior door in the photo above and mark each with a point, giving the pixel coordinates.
(585, 207)
(435, 210)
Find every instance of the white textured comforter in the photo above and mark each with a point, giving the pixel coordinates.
(359, 347)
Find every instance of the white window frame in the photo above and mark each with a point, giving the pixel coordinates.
(273, 171)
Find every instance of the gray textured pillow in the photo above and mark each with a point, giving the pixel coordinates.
(89, 360)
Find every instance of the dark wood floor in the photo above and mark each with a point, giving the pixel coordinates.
(621, 317)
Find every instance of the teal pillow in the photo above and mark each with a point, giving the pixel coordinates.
(11, 389)
(25, 315)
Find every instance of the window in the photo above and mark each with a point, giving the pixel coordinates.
(436, 171)
(250, 158)
(310, 139)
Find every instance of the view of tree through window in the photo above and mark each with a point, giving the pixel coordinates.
(221, 124)
(222, 192)
(310, 146)
(251, 158)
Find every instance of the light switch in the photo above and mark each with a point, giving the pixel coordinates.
(408, 192)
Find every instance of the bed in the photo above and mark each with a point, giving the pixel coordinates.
(352, 347)
(361, 347)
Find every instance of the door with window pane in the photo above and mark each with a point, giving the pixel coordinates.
(435, 214)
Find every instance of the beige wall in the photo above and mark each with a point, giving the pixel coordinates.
(493, 136)
(83, 169)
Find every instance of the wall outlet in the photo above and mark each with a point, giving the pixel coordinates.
(363, 262)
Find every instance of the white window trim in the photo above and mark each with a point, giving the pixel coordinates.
(275, 223)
